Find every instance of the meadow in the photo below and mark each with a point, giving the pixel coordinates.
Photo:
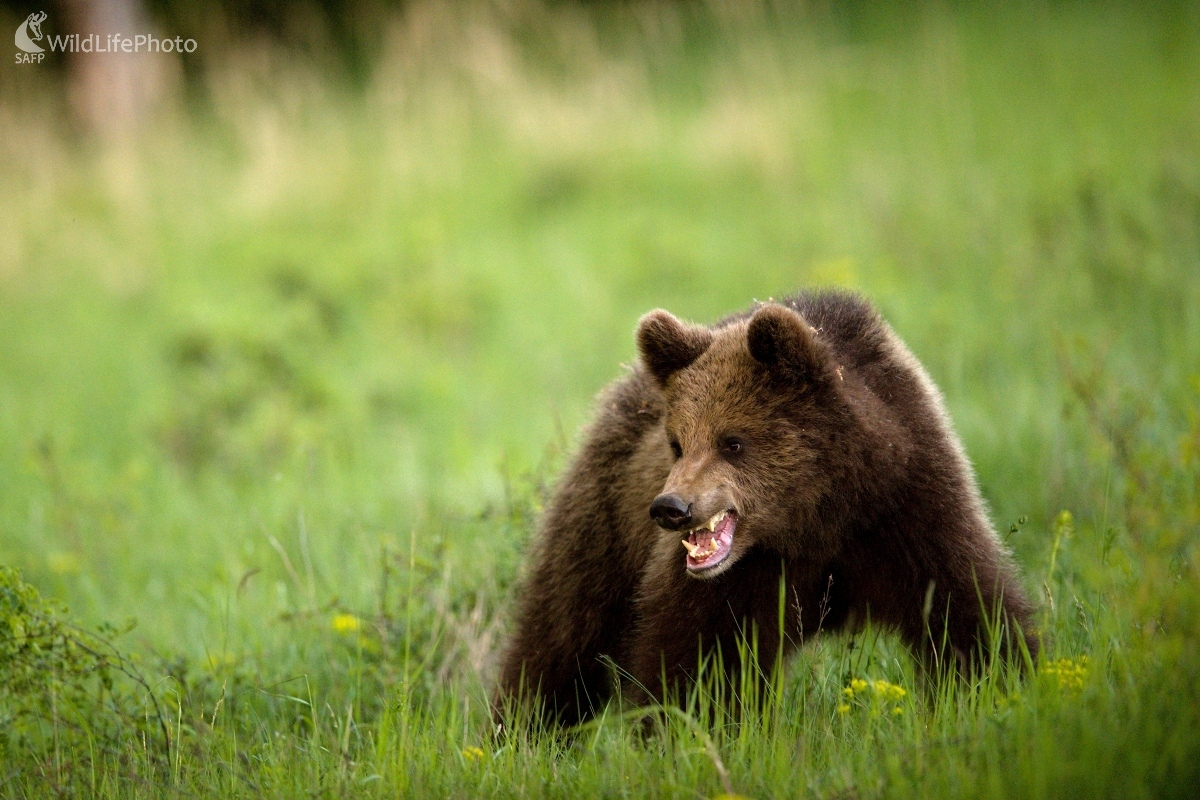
(287, 376)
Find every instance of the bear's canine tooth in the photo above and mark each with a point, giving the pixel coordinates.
(691, 548)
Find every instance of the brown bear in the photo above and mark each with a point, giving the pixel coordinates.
(798, 442)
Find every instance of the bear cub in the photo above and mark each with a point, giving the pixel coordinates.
(800, 442)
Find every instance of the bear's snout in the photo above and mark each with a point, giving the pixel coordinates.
(671, 512)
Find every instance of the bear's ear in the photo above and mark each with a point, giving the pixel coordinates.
(779, 336)
(668, 345)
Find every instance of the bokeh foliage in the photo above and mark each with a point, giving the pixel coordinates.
(287, 376)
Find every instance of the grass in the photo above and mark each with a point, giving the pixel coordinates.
(286, 377)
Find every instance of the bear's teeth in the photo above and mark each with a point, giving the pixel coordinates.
(701, 551)
(713, 521)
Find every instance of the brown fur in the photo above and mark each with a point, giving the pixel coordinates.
(850, 485)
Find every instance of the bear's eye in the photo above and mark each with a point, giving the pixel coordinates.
(676, 450)
(733, 446)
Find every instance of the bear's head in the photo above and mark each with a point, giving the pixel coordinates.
(752, 415)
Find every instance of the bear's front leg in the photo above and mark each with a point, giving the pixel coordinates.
(576, 607)
(682, 620)
(572, 610)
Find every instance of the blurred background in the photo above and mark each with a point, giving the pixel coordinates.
(338, 287)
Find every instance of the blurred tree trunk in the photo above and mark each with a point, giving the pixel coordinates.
(111, 93)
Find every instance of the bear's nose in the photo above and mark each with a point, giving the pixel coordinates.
(669, 511)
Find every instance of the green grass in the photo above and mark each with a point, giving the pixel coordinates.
(298, 353)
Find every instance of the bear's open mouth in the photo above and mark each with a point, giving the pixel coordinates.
(710, 544)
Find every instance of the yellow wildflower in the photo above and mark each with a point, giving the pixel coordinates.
(472, 753)
(888, 691)
(882, 695)
(346, 623)
(1069, 673)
